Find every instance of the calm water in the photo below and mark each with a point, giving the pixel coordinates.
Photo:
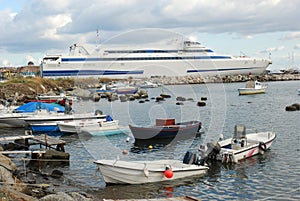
(272, 176)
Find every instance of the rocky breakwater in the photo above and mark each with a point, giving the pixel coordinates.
(18, 90)
(224, 79)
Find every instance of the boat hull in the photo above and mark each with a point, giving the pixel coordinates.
(44, 127)
(249, 91)
(178, 130)
(93, 127)
(185, 67)
(48, 123)
(140, 172)
(256, 143)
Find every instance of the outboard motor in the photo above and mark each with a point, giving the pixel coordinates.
(213, 149)
(192, 158)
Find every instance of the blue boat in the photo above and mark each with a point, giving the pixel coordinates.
(38, 106)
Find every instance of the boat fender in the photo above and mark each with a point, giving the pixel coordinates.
(168, 173)
(262, 146)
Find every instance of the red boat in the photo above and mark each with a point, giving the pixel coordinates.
(51, 99)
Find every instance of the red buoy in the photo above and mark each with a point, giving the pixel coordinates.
(168, 173)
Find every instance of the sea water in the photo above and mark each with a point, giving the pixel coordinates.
(272, 176)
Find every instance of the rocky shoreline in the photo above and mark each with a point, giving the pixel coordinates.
(18, 90)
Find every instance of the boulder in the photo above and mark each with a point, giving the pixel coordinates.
(203, 98)
(7, 168)
(159, 98)
(165, 95)
(180, 98)
(61, 196)
(297, 105)
(95, 97)
(10, 194)
(290, 108)
(201, 104)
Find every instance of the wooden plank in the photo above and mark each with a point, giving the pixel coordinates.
(16, 138)
(21, 152)
(47, 140)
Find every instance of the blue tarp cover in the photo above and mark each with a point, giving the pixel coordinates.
(33, 106)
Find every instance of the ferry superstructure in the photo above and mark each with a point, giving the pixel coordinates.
(183, 59)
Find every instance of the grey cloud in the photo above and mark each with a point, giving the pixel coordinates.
(24, 32)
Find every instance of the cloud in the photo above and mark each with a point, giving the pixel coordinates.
(47, 24)
(291, 36)
(297, 47)
(6, 63)
(273, 49)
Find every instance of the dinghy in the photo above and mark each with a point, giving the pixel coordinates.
(240, 146)
(139, 172)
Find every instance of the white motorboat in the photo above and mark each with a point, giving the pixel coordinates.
(253, 87)
(48, 122)
(148, 84)
(241, 146)
(105, 125)
(139, 172)
(178, 57)
(16, 117)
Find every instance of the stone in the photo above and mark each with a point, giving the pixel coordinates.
(201, 104)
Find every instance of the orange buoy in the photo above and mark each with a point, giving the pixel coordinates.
(168, 173)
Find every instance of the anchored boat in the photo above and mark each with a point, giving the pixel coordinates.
(139, 172)
(253, 87)
(240, 146)
(166, 128)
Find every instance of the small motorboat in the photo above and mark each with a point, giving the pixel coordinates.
(47, 121)
(240, 146)
(253, 87)
(166, 128)
(140, 172)
(148, 84)
(105, 125)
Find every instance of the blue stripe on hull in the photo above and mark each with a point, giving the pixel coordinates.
(80, 59)
(222, 69)
(88, 72)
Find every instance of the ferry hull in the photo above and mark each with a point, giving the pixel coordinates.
(119, 69)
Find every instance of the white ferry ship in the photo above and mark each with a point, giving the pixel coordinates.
(180, 59)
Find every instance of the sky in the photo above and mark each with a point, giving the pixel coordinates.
(30, 29)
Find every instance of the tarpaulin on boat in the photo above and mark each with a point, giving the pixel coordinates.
(33, 106)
